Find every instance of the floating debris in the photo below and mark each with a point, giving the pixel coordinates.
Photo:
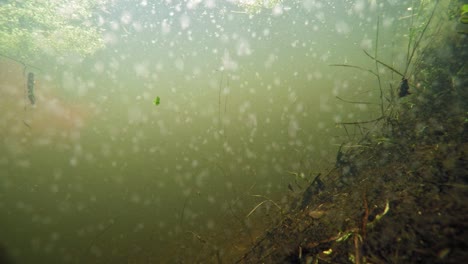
(157, 100)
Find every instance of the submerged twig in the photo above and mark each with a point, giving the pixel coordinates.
(198, 237)
(358, 249)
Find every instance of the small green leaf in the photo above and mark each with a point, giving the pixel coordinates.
(156, 100)
(464, 8)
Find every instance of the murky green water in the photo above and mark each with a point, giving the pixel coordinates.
(96, 173)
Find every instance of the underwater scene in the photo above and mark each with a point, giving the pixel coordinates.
(233, 131)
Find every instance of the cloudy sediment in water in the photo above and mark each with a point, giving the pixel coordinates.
(97, 172)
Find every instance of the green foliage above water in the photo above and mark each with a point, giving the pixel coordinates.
(34, 29)
(256, 6)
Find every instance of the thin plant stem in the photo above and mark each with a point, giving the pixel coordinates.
(384, 64)
(411, 32)
(416, 44)
(354, 102)
(262, 202)
(377, 66)
(361, 122)
(353, 66)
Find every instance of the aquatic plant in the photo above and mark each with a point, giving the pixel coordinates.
(388, 98)
(262, 202)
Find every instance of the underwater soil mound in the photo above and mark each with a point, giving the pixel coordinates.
(405, 202)
(401, 197)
